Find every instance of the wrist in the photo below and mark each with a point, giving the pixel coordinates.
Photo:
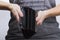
(10, 7)
(46, 13)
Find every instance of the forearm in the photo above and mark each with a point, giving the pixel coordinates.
(14, 8)
(53, 11)
(5, 6)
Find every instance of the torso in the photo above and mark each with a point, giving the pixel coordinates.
(49, 25)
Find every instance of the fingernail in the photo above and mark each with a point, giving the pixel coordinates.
(22, 15)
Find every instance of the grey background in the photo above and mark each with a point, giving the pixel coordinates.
(5, 17)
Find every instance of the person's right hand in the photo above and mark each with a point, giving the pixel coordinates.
(16, 10)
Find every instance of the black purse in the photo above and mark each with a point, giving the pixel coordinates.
(28, 22)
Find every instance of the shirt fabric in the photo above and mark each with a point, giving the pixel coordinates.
(57, 1)
(49, 26)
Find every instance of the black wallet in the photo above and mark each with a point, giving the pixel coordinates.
(28, 22)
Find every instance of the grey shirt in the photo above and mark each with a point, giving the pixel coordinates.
(49, 25)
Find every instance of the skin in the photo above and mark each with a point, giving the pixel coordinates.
(14, 8)
(42, 15)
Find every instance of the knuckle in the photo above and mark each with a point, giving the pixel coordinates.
(17, 5)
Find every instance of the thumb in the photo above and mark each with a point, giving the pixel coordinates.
(40, 21)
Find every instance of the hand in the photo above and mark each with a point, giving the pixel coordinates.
(15, 9)
(41, 16)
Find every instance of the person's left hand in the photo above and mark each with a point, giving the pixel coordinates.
(41, 16)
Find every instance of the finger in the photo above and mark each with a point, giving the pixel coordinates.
(37, 18)
(17, 17)
(19, 11)
(15, 13)
(40, 21)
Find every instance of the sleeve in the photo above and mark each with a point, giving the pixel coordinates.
(57, 2)
(5, 0)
